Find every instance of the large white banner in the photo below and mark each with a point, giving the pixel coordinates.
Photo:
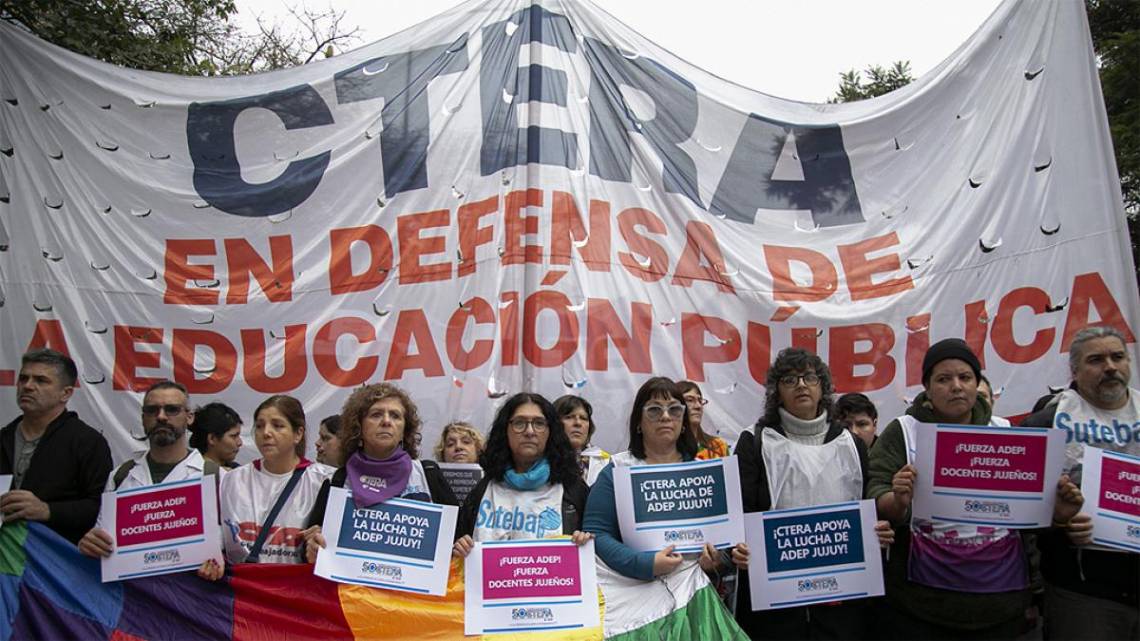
(531, 196)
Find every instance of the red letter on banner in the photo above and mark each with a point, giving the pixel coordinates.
(178, 271)
(628, 222)
(471, 235)
(1091, 288)
(859, 269)
(128, 359)
(603, 325)
(412, 323)
(1005, 344)
(843, 359)
(293, 371)
(700, 241)
(243, 260)
(517, 225)
(566, 228)
(567, 342)
(696, 352)
(341, 278)
(185, 343)
(413, 246)
(461, 358)
(324, 351)
(823, 274)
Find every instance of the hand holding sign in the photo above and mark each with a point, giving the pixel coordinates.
(1080, 529)
(96, 543)
(665, 561)
(1069, 500)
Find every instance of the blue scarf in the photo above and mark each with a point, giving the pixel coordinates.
(534, 478)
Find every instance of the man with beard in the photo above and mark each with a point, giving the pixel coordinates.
(166, 415)
(58, 463)
(1091, 592)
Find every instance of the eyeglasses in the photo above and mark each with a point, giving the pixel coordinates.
(791, 380)
(170, 410)
(656, 412)
(696, 400)
(519, 425)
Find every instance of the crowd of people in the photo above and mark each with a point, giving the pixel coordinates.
(942, 580)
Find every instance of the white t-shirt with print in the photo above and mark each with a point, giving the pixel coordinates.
(248, 494)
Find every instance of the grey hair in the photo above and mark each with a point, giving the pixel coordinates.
(1087, 334)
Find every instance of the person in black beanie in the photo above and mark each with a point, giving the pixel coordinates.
(948, 580)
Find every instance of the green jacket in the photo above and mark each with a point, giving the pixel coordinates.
(952, 609)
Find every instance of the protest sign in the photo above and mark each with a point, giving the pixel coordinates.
(528, 585)
(813, 554)
(986, 475)
(1111, 485)
(461, 478)
(681, 504)
(161, 529)
(398, 544)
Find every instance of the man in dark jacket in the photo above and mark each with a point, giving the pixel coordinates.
(1090, 592)
(58, 463)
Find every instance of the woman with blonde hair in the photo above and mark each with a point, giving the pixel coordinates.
(460, 442)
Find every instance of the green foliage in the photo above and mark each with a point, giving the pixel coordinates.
(1115, 26)
(881, 81)
(188, 37)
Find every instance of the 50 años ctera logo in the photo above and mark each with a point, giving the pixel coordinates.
(822, 584)
(390, 572)
(684, 536)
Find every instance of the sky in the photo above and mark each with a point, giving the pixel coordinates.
(793, 49)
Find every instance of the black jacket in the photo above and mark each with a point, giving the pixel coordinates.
(573, 506)
(441, 493)
(68, 471)
(1105, 575)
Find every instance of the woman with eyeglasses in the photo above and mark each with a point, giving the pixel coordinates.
(272, 495)
(708, 446)
(379, 425)
(577, 416)
(794, 457)
(658, 434)
(531, 470)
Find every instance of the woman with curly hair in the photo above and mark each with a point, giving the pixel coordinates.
(460, 442)
(577, 416)
(379, 424)
(795, 457)
(529, 469)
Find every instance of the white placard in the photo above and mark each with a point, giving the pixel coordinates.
(1110, 482)
(817, 554)
(162, 529)
(396, 545)
(987, 475)
(530, 585)
(680, 504)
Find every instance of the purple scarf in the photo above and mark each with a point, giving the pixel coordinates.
(375, 481)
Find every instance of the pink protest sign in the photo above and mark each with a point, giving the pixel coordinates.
(986, 475)
(1003, 462)
(540, 573)
(1120, 486)
(161, 515)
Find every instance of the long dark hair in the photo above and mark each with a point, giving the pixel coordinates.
(496, 459)
(659, 386)
(790, 361)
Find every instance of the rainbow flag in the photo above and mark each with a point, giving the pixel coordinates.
(48, 590)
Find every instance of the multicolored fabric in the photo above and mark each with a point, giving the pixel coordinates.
(49, 591)
(716, 448)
